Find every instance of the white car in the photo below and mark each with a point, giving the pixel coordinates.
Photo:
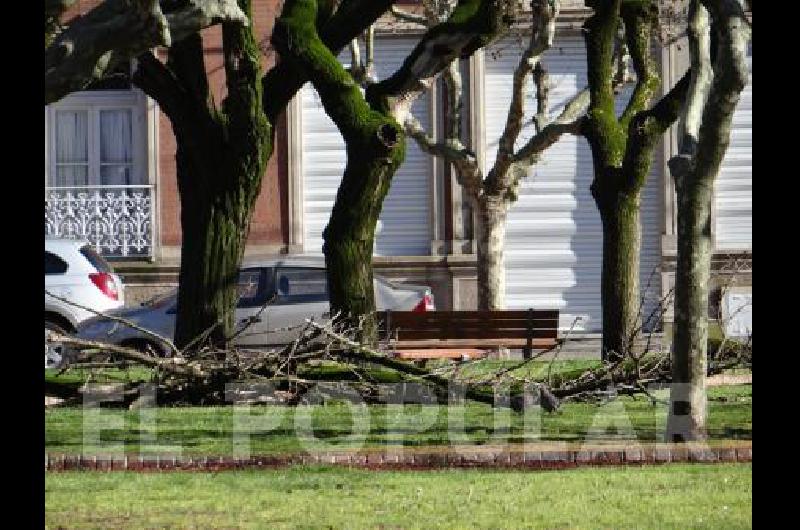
(300, 288)
(74, 271)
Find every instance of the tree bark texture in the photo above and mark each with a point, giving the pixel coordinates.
(622, 149)
(221, 157)
(375, 148)
(694, 170)
(118, 30)
(491, 236)
(620, 216)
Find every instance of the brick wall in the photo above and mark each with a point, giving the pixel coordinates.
(269, 226)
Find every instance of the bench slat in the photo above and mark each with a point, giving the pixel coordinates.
(453, 334)
(502, 324)
(409, 318)
(472, 333)
(472, 353)
(504, 313)
(467, 343)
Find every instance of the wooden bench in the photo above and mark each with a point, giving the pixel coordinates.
(471, 334)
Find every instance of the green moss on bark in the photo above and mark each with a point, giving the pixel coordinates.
(375, 148)
(622, 152)
(220, 168)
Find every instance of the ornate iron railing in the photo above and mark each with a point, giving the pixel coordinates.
(116, 220)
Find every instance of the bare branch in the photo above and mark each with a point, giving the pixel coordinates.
(468, 172)
(699, 38)
(544, 19)
(174, 365)
(569, 121)
(121, 320)
(117, 30)
(470, 26)
(407, 16)
(542, 82)
(640, 19)
(454, 92)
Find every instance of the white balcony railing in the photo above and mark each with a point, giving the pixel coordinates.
(117, 220)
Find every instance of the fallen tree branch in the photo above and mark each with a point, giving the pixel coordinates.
(175, 365)
(121, 320)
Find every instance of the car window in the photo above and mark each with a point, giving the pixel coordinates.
(95, 259)
(53, 264)
(298, 285)
(252, 287)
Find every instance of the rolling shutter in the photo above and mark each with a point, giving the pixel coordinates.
(404, 228)
(554, 234)
(733, 189)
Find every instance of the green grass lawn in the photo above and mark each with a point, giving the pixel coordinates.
(275, 429)
(672, 496)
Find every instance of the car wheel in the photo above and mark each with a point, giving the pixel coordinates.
(55, 353)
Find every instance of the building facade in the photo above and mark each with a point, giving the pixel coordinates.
(110, 177)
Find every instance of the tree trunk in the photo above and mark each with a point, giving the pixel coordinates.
(221, 159)
(350, 234)
(375, 148)
(690, 338)
(694, 171)
(212, 247)
(620, 273)
(491, 229)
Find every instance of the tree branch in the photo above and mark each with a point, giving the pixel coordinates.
(407, 16)
(186, 61)
(117, 30)
(158, 82)
(701, 75)
(472, 25)
(544, 16)
(283, 81)
(296, 39)
(730, 78)
(468, 173)
(640, 19)
(569, 121)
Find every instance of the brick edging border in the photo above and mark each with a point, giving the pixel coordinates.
(418, 459)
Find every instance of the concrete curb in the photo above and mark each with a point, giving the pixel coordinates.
(519, 458)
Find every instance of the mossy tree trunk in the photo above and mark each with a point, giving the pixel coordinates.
(620, 216)
(221, 157)
(622, 149)
(371, 129)
(375, 149)
(707, 124)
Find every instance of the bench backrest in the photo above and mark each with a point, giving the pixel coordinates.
(502, 324)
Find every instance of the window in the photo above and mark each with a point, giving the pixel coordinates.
(53, 264)
(298, 285)
(252, 287)
(96, 138)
